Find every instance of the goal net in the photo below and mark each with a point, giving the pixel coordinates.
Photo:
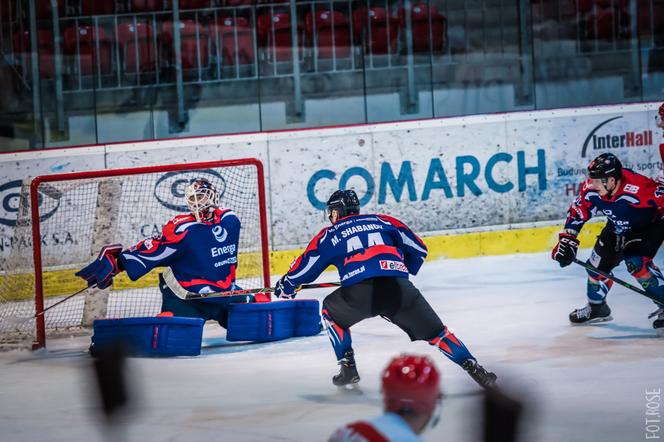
(64, 220)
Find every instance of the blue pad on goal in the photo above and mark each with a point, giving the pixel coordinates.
(273, 321)
(150, 336)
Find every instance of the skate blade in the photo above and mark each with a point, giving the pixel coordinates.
(350, 388)
(593, 321)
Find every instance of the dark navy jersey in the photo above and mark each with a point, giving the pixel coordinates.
(202, 255)
(360, 247)
(637, 202)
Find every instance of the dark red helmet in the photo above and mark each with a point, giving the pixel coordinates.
(661, 111)
(411, 383)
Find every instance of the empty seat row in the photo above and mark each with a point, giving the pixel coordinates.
(89, 49)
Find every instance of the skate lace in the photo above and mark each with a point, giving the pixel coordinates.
(584, 312)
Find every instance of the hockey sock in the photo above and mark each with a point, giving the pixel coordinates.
(451, 346)
(650, 277)
(598, 288)
(339, 337)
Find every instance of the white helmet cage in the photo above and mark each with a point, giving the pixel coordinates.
(201, 196)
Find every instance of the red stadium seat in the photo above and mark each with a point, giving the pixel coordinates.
(45, 49)
(240, 2)
(44, 9)
(422, 35)
(194, 4)
(147, 5)
(274, 33)
(607, 24)
(380, 30)
(330, 31)
(138, 51)
(96, 7)
(230, 48)
(87, 59)
(194, 43)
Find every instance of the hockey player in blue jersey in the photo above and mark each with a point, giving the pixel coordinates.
(200, 250)
(374, 255)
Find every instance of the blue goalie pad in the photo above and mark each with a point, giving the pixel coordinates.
(151, 336)
(273, 321)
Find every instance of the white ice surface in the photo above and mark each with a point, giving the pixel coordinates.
(581, 383)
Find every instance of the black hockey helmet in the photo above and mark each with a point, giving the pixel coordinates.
(345, 202)
(605, 166)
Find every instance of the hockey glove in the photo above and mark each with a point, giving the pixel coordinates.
(102, 270)
(565, 250)
(280, 290)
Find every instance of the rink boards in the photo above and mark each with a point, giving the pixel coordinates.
(478, 185)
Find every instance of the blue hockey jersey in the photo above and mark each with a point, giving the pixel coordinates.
(638, 201)
(360, 247)
(202, 255)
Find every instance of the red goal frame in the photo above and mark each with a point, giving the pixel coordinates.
(40, 323)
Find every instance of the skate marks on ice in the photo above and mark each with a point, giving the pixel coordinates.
(593, 343)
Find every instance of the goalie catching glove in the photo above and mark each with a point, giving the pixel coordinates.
(565, 250)
(101, 271)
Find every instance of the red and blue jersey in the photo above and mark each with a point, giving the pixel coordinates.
(637, 202)
(360, 247)
(389, 427)
(202, 255)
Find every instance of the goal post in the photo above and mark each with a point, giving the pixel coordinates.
(69, 216)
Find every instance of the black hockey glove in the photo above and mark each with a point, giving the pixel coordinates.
(565, 251)
(102, 270)
(280, 290)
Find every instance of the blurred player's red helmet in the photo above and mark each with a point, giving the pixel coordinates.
(411, 382)
(660, 114)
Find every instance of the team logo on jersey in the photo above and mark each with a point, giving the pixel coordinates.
(220, 234)
(169, 188)
(631, 188)
(10, 198)
(393, 265)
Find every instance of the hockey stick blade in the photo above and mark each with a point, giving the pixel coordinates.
(320, 285)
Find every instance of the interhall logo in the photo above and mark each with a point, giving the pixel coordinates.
(599, 140)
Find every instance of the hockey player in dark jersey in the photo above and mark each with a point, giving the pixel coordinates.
(411, 401)
(200, 250)
(634, 207)
(374, 255)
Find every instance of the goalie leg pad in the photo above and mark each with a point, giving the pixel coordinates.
(150, 336)
(273, 321)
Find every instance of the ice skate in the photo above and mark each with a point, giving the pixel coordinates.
(591, 313)
(348, 376)
(658, 324)
(479, 374)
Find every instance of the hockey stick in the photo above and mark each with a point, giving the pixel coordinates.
(16, 321)
(626, 284)
(192, 295)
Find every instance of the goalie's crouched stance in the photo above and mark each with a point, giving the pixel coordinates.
(200, 249)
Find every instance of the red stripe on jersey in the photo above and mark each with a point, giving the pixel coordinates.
(398, 224)
(221, 284)
(313, 244)
(368, 431)
(371, 252)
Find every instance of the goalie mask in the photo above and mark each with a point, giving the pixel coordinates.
(201, 196)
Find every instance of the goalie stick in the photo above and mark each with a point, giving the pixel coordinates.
(17, 321)
(182, 293)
